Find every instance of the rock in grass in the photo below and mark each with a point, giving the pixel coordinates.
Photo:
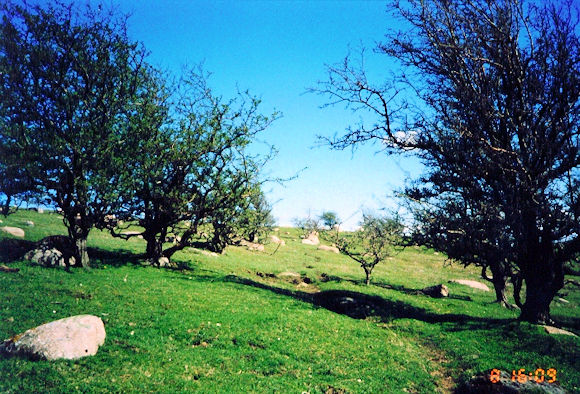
(277, 240)
(312, 239)
(471, 283)
(327, 248)
(68, 338)
(53, 251)
(558, 331)
(437, 291)
(252, 245)
(14, 231)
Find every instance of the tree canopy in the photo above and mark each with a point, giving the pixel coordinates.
(67, 76)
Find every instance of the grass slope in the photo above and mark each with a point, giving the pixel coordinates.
(227, 323)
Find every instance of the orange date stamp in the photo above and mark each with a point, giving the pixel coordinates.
(521, 376)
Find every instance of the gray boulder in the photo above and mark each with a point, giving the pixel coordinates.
(68, 338)
(14, 231)
(53, 251)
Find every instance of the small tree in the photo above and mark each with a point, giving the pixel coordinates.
(256, 220)
(308, 225)
(373, 243)
(330, 219)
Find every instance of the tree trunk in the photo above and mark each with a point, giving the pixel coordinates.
(539, 295)
(6, 207)
(154, 249)
(499, 284)
(368, 276)
(81, 246)
(79, 234)
(544, 277)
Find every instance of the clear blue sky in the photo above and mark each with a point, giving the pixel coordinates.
(277, 49)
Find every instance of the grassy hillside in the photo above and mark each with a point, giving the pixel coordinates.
(228, 323)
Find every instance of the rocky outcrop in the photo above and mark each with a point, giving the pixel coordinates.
(312, 239)
(69, 338)
(53, 251)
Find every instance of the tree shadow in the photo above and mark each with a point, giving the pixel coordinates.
(402, 289)
(115, 258)
(14, 249)
(360, 306)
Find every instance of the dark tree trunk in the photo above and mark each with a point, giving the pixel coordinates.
(540, 291)
(6, 206)
(499, 280)
(368, 276)
(78, 232)
(81, 250)
(544, 277)
(154, 249)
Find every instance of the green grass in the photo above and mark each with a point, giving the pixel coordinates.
(225, 324)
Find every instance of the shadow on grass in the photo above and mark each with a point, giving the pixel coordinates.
(359, 306)
(115, 258)
(402, 289)
(14, 249)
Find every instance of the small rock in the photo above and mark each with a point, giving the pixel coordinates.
(208, 253)
(164, 262)
(437, 291)
(558, 331)
(252, 246)
(69, 338)
(29, 223)
(327, 248)
(277, 240)
(312, 239)
(14, 231)
(287, 274)
(131, 232)
(471, 283)
(39, 210)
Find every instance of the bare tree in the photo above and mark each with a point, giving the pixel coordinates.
(488, 97)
